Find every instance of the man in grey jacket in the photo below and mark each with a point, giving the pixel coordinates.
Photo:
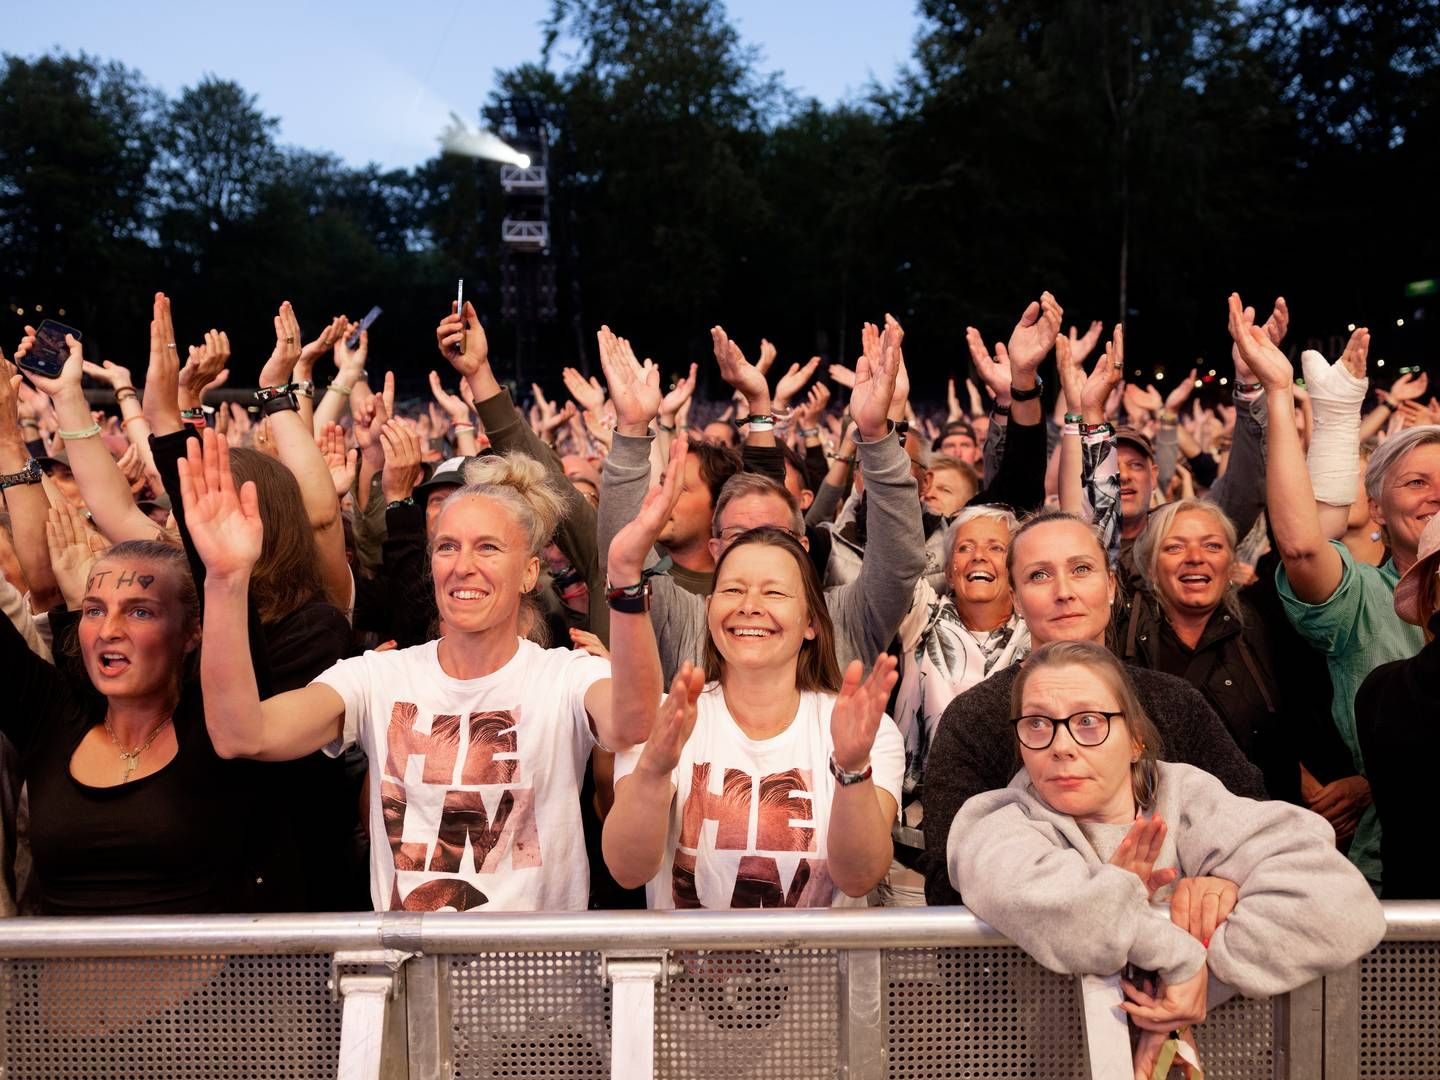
(867, 611)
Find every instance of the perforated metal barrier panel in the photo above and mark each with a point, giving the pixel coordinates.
(529, 1015)
(1237, 1041)
(180, 1018)
(988, 1012)
(1400, 1011)
(766, 1013)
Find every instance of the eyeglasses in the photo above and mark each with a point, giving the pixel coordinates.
(1090, 728)
(730, 535)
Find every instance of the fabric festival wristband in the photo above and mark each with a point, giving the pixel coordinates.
(1071, 429)
(1074, 418)
(343, 391)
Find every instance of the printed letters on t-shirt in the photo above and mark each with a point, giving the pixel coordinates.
(766, 821)
(495, 824)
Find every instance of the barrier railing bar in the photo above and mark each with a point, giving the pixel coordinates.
(450, 932)
(862, 1043)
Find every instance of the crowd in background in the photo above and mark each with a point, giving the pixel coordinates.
(1072, 664)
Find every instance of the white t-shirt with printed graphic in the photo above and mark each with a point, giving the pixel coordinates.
(750, 817)
(474, 783)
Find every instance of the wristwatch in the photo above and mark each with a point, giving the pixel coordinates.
(629, 599)
(845, 779)
(1028, 395)
(31, 474)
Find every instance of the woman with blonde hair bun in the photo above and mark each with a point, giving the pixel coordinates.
(477, 741)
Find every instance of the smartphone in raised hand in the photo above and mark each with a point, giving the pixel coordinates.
(353, 341)
(48, 355)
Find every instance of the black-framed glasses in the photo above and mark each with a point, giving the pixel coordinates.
(1088, 728)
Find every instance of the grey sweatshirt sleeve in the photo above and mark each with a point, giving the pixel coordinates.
(868, 610)
(1076, 917)
(1303, 908)
(1241, 491)
(678, 616)
(1167, 453)
(826, 504)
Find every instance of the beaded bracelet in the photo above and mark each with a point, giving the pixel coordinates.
(84, 433)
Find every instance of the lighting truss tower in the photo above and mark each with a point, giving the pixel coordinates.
(529, 266)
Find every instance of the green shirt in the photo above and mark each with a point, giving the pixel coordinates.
(1357, 630)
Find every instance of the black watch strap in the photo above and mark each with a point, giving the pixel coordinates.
(31, 474)
(1028, 395)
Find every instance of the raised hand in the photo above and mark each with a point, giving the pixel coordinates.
(634, 389)
(111, 374)
(205, 366)
(1082, 347)
(1258, 351)
(161, 402)
(679, 397)
(453, 406)
(585, 641)
(1181, 394)
(875, 376)
(224, 524)
(1138, 401)
(1406, 388)
(74, 546)
(952, 402)
(312, 351)
(793, 382)
(1104, 380)
(1140, 850)
(68, 382)
(286, 353)
(340, 462)
(767, 357)
(350, 363)
(462, 340)
(1072, 373)
(632, 544)
(1276, 327)
(588, 393)
(841, 375)
(744, 376)
(1034, 335)
(676, 720)
(1357, 352)
(993, 371)
(808, 412)
(403, 455)
(859, 708)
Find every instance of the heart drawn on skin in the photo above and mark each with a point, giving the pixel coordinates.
(145, 580)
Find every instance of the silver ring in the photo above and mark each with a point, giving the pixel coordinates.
(170, 345)
(289, 341)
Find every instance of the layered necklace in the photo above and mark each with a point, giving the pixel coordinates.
(130, 759)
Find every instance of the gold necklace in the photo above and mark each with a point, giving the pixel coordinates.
(131, 758)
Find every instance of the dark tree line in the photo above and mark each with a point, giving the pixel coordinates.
(1141, 158)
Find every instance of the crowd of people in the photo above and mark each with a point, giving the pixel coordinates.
(1128, 676)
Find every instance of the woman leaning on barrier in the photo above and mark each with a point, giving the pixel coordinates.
(778, 786)
(1074, 860)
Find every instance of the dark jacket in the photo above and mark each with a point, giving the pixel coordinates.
(1394, 710)
(975, 750)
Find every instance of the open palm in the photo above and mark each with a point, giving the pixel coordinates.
(224, 524)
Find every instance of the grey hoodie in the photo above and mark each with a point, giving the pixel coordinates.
(1303, 909)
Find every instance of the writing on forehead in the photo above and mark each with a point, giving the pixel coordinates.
(118, 579)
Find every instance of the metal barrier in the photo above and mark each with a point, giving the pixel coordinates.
(907, 994)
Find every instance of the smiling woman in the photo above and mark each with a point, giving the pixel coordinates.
(777, 728)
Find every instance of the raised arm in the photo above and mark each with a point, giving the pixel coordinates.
(1337, 393)
(295, 441)
(1311, 563)
(623, 710)
(106, 491)
(748, 381)
(26, 502)
(225, 527)
(349, 372)
(868, 610)
(861, 815)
